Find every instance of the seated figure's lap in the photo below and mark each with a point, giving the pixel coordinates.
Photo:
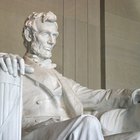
(63, 130)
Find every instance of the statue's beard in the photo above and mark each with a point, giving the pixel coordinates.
(40, 50)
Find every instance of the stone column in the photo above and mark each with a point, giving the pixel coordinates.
(10, 106)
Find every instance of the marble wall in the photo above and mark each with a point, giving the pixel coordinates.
(122, 34)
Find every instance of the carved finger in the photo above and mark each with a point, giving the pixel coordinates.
(21, 65)
(9, 65)
(15, 67)
(3, 65)
(14, 64)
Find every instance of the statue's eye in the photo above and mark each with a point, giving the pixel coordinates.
(55, 35)
(44, 34)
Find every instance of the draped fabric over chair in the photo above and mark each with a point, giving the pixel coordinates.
(10, 106)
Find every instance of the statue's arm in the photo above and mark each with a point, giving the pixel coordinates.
(102, 99)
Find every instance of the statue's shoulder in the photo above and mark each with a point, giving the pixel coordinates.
(57, 73)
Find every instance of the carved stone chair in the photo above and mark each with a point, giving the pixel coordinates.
(10, 106)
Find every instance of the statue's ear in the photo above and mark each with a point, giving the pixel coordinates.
(28, 34)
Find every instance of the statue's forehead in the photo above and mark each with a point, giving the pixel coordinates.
(44, 26)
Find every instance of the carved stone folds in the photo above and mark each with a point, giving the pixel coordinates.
(10, 106)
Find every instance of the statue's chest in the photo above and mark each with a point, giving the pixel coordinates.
(48, 79)
(51, 82)
(43, 95)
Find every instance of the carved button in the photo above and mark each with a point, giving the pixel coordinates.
(38, 102)
(36, 83)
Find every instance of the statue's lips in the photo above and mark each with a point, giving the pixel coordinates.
(48, 48)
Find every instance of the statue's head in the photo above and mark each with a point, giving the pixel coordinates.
(39, 33)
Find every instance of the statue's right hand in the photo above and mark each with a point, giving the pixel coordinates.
(14, 64)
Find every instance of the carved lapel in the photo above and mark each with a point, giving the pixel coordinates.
(73, 104)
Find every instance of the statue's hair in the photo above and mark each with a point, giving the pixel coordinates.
(30, 21)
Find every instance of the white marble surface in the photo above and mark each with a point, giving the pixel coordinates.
(49, 97)
(10, 107)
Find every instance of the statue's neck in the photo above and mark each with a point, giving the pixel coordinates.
(47, 63)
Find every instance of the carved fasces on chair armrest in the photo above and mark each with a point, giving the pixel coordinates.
(5, 77)
(10, 106)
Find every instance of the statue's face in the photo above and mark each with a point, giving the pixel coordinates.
(45, 39)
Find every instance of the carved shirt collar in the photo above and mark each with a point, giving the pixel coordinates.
(42, 63)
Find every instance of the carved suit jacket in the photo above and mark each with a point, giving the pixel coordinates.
(39, 100)
(39, 104)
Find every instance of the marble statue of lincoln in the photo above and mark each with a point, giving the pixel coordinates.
(55, 107)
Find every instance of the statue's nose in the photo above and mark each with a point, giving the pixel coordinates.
(51, 40)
